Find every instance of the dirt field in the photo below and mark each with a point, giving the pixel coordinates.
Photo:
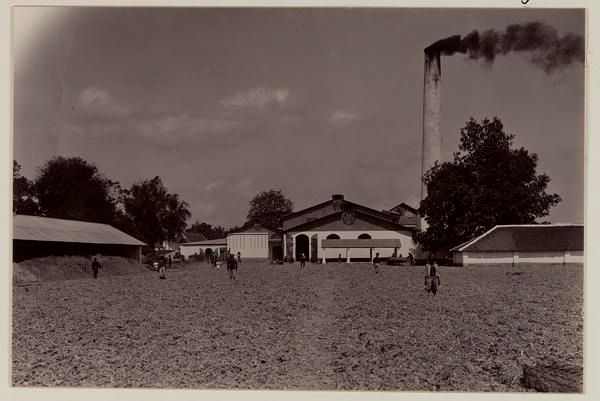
(332, 327)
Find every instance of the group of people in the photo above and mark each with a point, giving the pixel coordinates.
(432, 277)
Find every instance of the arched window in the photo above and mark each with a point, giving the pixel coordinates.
(333, 236)
(364, 236)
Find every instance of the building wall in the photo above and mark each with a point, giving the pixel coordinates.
(251, 245)
(574, 257)
(557, 257)
(404, 237)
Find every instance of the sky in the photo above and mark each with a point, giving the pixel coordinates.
(225, 103)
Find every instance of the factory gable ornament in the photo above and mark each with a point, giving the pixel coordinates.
(348, 218)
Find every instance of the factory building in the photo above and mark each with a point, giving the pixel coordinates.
(35, 237)
(523, 244)
(340, 229)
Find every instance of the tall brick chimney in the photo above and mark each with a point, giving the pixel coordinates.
(432, 113)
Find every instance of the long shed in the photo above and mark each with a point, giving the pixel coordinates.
(35, 236)
(526, 243)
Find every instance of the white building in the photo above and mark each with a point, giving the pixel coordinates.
(342, 229)
(520, 244)
(256, 240)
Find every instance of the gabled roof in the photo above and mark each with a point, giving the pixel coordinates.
(357, 212)
(355, 206)
(405, 207)
(308, 209)
(189, 236)
(36, 228)
(527, 238)
(252, 223)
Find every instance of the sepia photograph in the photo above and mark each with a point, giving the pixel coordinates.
(381, 199)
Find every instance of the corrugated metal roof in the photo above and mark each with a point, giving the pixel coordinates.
(35, 228)
(528, 238)
(360, 243)
(218, 241)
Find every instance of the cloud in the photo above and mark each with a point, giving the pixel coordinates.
(183, 128)
(257, 98)
(244, 183)
(212, 186)
(97, 101)
(342, 118)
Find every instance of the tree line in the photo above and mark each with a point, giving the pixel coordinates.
(74, 189)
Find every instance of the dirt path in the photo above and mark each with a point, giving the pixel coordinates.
(313, 369)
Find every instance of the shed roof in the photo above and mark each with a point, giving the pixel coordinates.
(527, 238)
(36, 228)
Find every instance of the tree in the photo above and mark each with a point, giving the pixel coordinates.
(157, 214)
(270, 207)
(488, 183)
(71, 188)
(209, 231)
(24, 201)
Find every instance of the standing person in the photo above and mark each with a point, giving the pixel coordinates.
(302, 261)
(376, 262)
(231, 266)
(434, 278)
(339, 258)
(170, 261)
(162, 266)
(427, 279)
(239, 256)
(411, 259)
(95, 267)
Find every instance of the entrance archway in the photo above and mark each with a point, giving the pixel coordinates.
(302, 246)
(277, 253)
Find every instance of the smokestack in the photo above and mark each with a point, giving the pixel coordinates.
(432, 113)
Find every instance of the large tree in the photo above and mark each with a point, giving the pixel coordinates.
(157, 214)
(270, 207)
(208, 230)
(24, 201)
(71, 188)
(488, 183)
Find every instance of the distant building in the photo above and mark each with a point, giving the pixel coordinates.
(217, 246)
(520, 244)
(35, 237)
(405, 215)
(340, 228)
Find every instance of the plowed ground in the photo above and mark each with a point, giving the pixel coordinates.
(332, 327)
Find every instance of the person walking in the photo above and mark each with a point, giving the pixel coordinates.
(95, 267)
(376, 262)
(162, 267)
(302, 261)
(239, 257)
(432, 280)
(231, 266)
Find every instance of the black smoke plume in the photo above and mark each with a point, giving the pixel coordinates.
(549, 51)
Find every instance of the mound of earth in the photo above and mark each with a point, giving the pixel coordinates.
(51, 268)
